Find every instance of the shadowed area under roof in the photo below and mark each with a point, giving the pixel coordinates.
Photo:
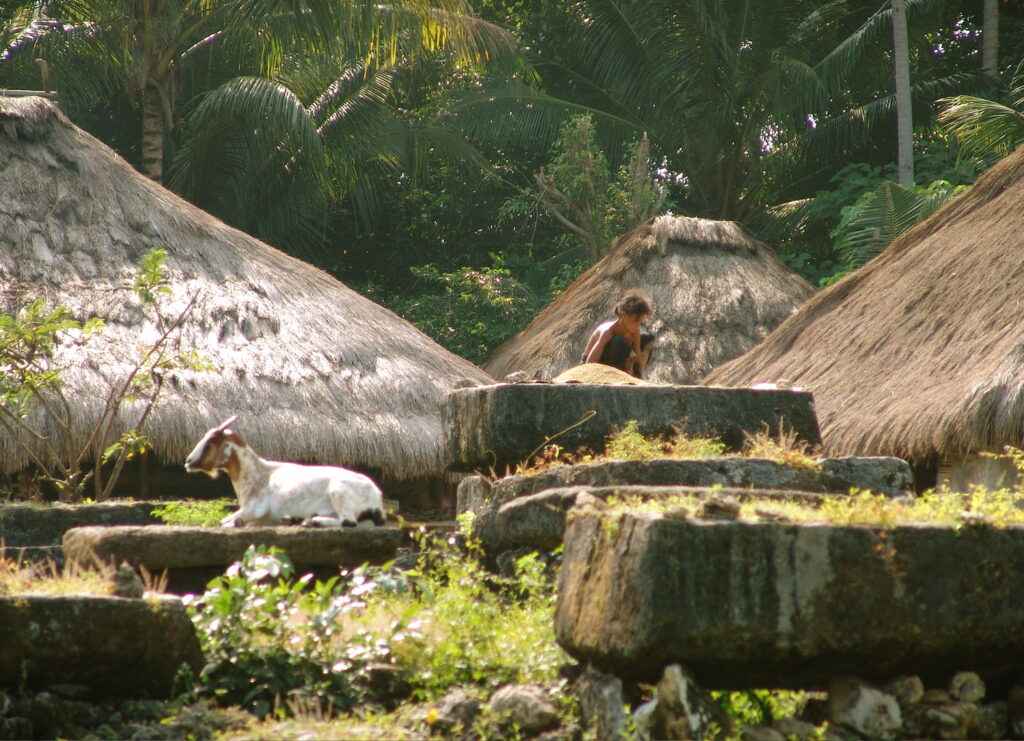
(921, 351)
(315, 371)
(716, 293)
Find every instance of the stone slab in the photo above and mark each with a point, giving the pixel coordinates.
(747, 604)
(538, 520)
(113, 646)
(45, 524)
(193, 555)
(883, 475)
(501, 426)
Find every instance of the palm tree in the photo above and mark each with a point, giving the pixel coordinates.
(746, 104)
(987, 126)
(901, 76)
(98, 48)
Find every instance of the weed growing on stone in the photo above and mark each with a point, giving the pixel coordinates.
(784, 447)
(197, 513)
(629, 444)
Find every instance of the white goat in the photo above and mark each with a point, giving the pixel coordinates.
(273, 492)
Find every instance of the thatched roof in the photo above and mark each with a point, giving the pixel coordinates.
(921, 351)
(315, 371)
(716, 293)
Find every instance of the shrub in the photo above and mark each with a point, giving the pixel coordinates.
(201, 513)
(274, 642)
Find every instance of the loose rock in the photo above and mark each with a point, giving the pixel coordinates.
(602, 703)
(863, 708)
(908, 691)
(524, 706)
(684, 710)
(967, 687)
(456, 711)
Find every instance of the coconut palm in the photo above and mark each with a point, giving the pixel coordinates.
(100, 48)
(748, 104)
(984, 125)
(272, 156)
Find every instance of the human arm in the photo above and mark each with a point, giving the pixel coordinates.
(596, 344)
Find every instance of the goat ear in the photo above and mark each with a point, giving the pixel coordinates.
(227, 422)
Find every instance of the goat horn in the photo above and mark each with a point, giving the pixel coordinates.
(227, 422)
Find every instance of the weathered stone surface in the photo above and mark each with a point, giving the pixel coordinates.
(210, 549)
(501, 426)
(45, 524)
(111, 645)
(513, 511)
(538, 520)
(788, 605)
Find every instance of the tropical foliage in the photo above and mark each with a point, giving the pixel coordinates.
(377, 140)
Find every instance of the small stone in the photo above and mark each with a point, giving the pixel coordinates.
(643, 720)
(949, 720)
(585, 499)
(678, 513)
(127, 583)
(761, 733)
(863, 708)
(684, 710)
(967, 687)
(796, 729)
(601, 703)
(719, 507)
(456, 711)
(525, 706)
(908, 691)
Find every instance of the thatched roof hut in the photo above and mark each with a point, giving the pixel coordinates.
(315, 371)
(716, 293)
(920, 353)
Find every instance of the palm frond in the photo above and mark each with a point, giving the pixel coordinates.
(885, 213)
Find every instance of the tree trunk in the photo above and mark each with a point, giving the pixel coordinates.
(152, 133)
(990, 37)
(901, 72)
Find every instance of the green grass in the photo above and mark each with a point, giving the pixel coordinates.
(198, 513)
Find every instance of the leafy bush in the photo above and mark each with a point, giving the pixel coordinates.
(274, 643)
(32, 390)
(469, 311)
(200, 513)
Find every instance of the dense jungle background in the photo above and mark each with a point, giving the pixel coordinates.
(461, 163)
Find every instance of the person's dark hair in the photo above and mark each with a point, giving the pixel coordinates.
(635, 303)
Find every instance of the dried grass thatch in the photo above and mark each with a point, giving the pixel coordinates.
(716, 293)
(315, 371)
(921, 351)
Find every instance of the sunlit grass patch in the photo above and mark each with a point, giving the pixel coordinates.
(49, 578)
